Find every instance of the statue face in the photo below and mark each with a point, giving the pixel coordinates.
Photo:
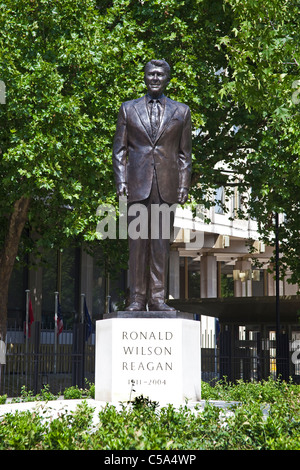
(156, 80)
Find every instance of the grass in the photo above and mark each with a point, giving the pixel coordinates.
(144, 425)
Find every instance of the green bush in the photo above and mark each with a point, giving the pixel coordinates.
(3, 399)
(266, 391)
(262, 416)
(21, 431)
(76, 393)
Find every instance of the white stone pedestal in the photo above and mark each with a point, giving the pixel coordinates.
(158, 358)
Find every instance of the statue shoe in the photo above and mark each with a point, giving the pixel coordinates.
(136, 307)
(160, 307)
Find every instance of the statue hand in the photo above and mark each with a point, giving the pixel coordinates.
(182, 195)
(122, 189)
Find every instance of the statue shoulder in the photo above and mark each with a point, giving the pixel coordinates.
(130, 103)
(182, 106)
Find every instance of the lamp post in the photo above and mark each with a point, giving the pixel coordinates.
(277, 280)
(282, 361)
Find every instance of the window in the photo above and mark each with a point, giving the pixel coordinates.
(219, 200)
(236, 202)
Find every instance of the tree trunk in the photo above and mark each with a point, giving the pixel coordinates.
(8, 255)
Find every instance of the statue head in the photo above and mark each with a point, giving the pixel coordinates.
(157, 77)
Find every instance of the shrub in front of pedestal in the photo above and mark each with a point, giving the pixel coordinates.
(266, 417)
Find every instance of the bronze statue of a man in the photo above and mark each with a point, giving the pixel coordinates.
(152, 165)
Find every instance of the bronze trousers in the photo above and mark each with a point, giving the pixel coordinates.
(149, 257)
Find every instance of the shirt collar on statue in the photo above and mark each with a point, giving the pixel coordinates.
(160, 98)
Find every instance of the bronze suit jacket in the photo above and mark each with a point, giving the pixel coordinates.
(135, 154)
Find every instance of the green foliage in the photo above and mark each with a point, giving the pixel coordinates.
(57, 124)
(75, 392)
(72, 392)
(69, 431)
(20, 431)
(262, 49)
(142, 402)
(3, 399)
(265, 391)
(28, 395)
(262, 416)
(69, 65)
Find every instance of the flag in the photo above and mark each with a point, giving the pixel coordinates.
(30, 318)
(60, 323)
(88, 322)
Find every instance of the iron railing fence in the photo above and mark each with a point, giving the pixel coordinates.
(39, 361)
(71, 361)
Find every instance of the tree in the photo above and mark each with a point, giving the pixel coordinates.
(262, 48)
(54, 167)
(69, 65)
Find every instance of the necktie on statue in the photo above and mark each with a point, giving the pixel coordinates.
(155, 116)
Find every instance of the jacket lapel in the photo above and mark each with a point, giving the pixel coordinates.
(170, 108)
(141, 109)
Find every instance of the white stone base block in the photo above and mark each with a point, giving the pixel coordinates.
(157, 358)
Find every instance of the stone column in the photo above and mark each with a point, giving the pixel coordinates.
(208, 276)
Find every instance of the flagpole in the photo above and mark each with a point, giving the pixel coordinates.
(27, 318)
(82, 308)
(26, 332)
(55, 329)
